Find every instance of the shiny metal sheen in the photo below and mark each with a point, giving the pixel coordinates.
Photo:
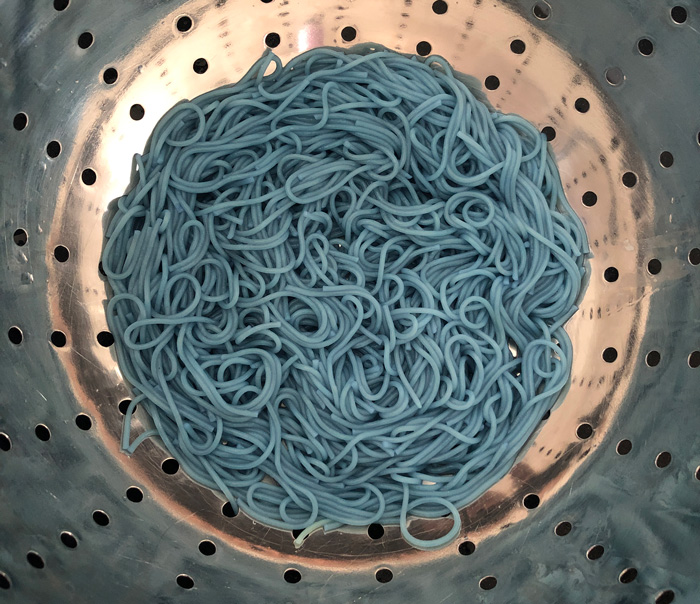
(640, 104)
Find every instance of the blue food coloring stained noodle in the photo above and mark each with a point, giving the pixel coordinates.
(339, 290)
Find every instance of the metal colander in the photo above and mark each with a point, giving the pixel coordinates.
(602, 507)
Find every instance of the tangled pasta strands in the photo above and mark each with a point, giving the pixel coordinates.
(339, 290)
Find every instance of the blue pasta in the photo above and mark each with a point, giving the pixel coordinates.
(339, 290)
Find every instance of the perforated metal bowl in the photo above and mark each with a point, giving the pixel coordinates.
(603, 507)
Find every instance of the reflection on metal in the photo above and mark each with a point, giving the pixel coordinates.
(640, 513)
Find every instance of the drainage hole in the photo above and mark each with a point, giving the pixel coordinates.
(611, 274)
(69, 540)
(83, 421)
(35, 560)
(595, 552)
(492, 82)
(628, 575)
(375, 531)
(42, 432)
(653, 358)
(20, 237)
(584, 431)
(272, 40)
(348, 34)
(58, 339)
(101, 518)
(663, 459)
(170, 466)
(424, 48)
(531, 501)
(624, 447)
(200, 66)
(105, 339)
(85, 40)
(562, 529)
(134, 494)
(292, 575)
(227, 510)
(383, 575)
(184, 24)
(207, 548)
(610, 355)
(15, 335)
(654, 266)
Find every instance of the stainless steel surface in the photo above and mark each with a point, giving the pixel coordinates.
(640, 104)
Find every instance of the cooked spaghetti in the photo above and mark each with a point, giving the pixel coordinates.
(339, 290)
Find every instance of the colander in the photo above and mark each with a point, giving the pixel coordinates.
(602, 507)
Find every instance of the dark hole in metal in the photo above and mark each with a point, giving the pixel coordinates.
(610, 355)
(105, 339)
(100, 518)
(184, 23)
(653, 358)
(375, 531)
(624, 447)
(628, 575)
(424, 48)
(227, 510)
(200, 66)
(492, 82)
(466, 548)
(562, 529)
(589, 199)
(35, 560)
(20, 121)
(170, 466)
(645, 46)
(110, 75)
(439, 7)
(292, 575)
(663, 459)
(666, 159)
(136, 112)
(654, 266)
(611, 274)
(20, 237)
(679, 14)
(53, 149)
(69, 540)
(89, 177)
(15, 335)
(550, 133)
(582, 105)
(42, 432)
(584, 431)
(83, 421)
(531, 501)
(272, 40)
(207, 548)
(384, 575)
(595, 552)
(134, 494)
(542, 11)
(348, 34)
(85, 40)
(517, 46)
